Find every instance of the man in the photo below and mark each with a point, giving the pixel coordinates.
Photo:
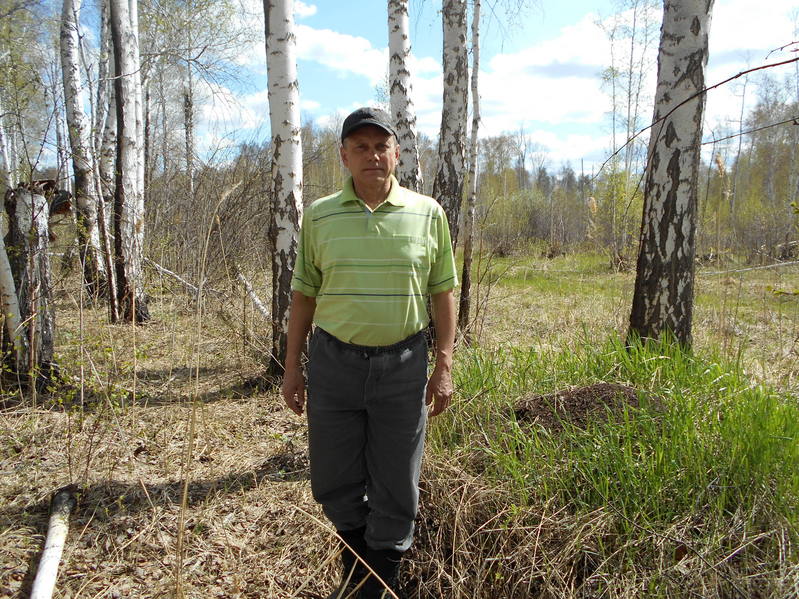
(368, 257)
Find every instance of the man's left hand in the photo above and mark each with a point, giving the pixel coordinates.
(439, 390)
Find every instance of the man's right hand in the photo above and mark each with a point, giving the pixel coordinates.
(294, 390)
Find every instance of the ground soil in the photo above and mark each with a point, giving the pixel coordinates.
(576, 405)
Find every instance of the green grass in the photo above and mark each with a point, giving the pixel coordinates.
(706, 450)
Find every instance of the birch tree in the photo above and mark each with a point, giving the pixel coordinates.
(464, 301)
(9, 166)
(28, 231)
(286, 213)
(448, 184)
(85, 181)
(128, 192)
(8, 295)
(409, 172)
(664, 283)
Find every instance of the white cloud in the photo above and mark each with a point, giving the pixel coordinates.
(345, 54)
(551, 83)
(302, 10)
(743, 35)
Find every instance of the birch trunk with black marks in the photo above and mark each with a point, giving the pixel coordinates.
(105, 138)
(664, 283)
(86, 186)
(27, 242)
(448, 184)
(8, 295)
(188, 124)
(139, 85)
(62, 152)
(286, 214)
(464, 302)
(104, 81)
(128, 192)
(409, 173)
(188, 108)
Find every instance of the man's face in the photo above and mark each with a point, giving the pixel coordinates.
(370, 154)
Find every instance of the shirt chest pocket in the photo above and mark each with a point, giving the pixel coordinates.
(410, 250)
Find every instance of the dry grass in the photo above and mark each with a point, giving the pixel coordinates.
(247, 527)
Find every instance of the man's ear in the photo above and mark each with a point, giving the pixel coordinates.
(343, 153)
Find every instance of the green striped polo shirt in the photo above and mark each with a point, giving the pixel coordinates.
(369, 271)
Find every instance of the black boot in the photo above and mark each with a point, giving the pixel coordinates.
(386, 563)
(353, 571)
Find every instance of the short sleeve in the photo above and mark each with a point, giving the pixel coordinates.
(442, 270)
(307, 278)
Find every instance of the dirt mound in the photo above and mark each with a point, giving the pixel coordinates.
(578, 405)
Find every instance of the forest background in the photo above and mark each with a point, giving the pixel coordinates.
(645, 471)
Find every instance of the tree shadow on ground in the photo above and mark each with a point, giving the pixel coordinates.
(290, 464)
(107, 500)
(67, 395)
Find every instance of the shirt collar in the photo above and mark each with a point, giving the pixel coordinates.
(395, 195)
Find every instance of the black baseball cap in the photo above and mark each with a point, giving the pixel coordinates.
(367, 116)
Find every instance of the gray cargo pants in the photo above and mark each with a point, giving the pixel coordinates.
(366, 424)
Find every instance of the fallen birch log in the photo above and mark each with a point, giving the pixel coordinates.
(63, 502)
(192, 288)
(188, 286)
(252, 295)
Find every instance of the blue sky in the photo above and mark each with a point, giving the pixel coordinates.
(540, 74)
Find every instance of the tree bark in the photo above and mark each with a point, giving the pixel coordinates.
(106, 177)
(448, 184)
(27, 241)
(464, 302)
(664, 284)
(9, 175)
(62, 152)
(188, 124)
(286, 214)
(128, 192)
(409, 173)
(47, 572)
(10, 303)
(85, 187)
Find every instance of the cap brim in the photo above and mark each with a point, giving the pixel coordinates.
(364, 123)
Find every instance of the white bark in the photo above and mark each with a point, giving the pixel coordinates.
(105, 151)
(128, 199)
(62, 151)
(468, 222)
(133, 7)
(448, 185)
(248, 288)
(409, 173)
(8, 293)
(46, 574)
(28, 215)
(663, 298)
(106, 162)
(165, 271)
(9, 177)
(104, 83)
(108, 147)
(86, 187)
(284, 115)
